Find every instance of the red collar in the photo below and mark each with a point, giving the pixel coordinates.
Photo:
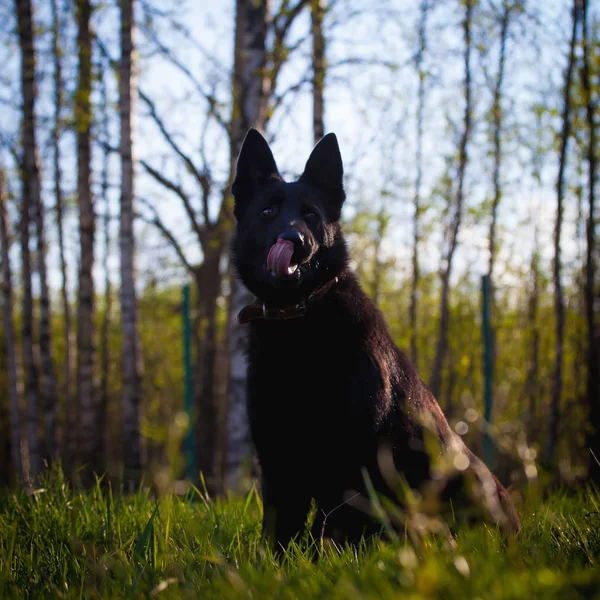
(257, 311)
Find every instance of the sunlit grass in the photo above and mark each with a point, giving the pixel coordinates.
(98, 543)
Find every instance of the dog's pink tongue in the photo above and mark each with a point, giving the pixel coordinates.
(280, 257)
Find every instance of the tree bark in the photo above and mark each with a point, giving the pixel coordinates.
(31, 164)
(48, 379)
(497, 122)
(532, 385)
(86, 385)
(45, 340)
(209, 444)
(106, 318)
(14, 391)
(416, 272)
(248, 100)
(559, 307)
(382, 220)
(593, 356)
(317, 12)
(446, 269)
(68, 419)
(31, 190)
(131, 370)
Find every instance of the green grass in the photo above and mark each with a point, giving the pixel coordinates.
(74, 543)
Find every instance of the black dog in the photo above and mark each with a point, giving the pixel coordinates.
(328, 390)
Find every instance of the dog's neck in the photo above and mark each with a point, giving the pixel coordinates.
(262, 311)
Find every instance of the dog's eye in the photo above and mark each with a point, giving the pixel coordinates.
(310, 214)
(267, 211)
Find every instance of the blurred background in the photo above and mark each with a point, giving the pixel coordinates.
(469, 135)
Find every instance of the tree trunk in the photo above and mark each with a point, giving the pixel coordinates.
(317, 12)
(31, 188)
(33, 203)
(452, 375)
(576, 334)
(106, 318)
(208, 442)
(446, 269)
(416, 272)
(497, 120)
(532, 385)
(31, 166)
(131, 358)
(559, 307)
(248, 89)
(48, 378)
(10, 348)
(593, 357)
(378, 265)
(68, 421)
(497, 123)
(86, 386)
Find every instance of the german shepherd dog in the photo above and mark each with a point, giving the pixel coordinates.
(330, 397)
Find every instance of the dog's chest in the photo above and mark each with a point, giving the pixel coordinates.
(305, 390)
(300, 369)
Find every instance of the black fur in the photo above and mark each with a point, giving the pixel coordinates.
(327, 391)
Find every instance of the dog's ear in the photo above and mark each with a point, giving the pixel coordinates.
(255, 166)
(324, 170)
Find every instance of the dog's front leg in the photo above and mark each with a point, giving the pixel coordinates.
(285, 510)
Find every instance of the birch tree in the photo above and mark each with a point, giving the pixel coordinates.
(532, 385)
(317, 12)
(130, 345)
(416, 272)
(457, 214)
(48, 378)
(248, 101)
(107, 314)
(559, 304)
(31, 170)
(10, 349)
(497, 124)
(593, 348)
(69, 408)
(86, 386)
(30, 190)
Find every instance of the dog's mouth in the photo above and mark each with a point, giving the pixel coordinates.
(279, 260)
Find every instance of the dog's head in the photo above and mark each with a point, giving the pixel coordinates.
(288, 239)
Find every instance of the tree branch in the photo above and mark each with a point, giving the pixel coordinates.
(201, 177)
(177, 189)
(281, 26)
(206, 189)
(287, 16)
(210, 99)
(113, 63)
(157, 222)
(296, 87)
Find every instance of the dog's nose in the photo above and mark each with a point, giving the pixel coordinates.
(293, 236)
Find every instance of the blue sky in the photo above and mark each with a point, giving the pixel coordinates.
(370, 106)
